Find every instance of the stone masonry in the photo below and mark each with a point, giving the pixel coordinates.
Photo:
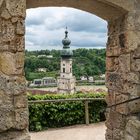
(122, 65)
(123, 77)
(13, 100)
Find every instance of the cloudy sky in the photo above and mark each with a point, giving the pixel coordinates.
(45, 28)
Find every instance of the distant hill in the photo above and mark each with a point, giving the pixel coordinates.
(85, 62)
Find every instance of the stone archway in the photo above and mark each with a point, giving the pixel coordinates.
(122, 64)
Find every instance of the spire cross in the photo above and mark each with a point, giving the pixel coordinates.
(66, 32)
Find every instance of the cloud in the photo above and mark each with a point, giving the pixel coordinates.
(45, 28)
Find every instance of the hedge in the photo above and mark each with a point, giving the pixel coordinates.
(43, 116)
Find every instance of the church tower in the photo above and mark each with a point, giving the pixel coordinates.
(66, 81)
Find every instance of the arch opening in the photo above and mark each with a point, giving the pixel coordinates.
(92, 28)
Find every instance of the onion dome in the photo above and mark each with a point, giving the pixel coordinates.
(66, 52)
(66, 42)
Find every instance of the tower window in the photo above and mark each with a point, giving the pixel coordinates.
(63, 70)
(70, 69)
(63, 64)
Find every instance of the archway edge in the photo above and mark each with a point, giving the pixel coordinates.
(106, 9)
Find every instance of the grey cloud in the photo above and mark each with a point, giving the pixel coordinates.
(45, 29)
(76, 20)
(34, 21)
(80, 21)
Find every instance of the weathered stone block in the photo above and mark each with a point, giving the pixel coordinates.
(135, 65)
(110, 97)
(129, 21)
(16, 45)
(7, 30)
(137, 20)
(116, 134)
(15, 19)
(115, 120)
(20, 101)
(21, 119)
(132, 89)
(3, 47)
(3, 81)
(19, 60)
(7, 63)
(121, 98)
(20, 30)
(129, 137)
(114, 97)
(16, 7)
(1, 1)
(136, 53)
(19, 86)
(6, 99)
(11, 63)
(13, 85)
(116, 26)
(108, 124)
(112, 63)
(6, 118)
(132, 77)
(109, 134)
(122, 40)
(123, 108)
(114, 81)
(124, 63)
(113, 51)
(5, 14)
(133, 128)
(20, 43)
(113, 41)
(134, 106)
(131, 41)
(15, 135)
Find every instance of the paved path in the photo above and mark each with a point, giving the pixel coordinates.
(78, 132)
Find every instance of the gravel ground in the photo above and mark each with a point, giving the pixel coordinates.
(77, 132)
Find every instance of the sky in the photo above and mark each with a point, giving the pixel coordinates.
(45, 29)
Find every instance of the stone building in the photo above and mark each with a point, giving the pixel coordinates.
(42, 69)
(46, 81)
(66, 81)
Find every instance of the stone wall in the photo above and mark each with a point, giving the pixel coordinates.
(13, 100)
(123, 77)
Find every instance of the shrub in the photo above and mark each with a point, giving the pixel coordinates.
(43, 116)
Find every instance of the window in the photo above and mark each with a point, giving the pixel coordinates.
(70, 69)
(63, 64)
(63, 70)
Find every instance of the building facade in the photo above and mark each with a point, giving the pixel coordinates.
(46, 81)
(66, 81)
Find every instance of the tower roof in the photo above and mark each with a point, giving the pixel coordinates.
(66, 52)
(66, 41)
